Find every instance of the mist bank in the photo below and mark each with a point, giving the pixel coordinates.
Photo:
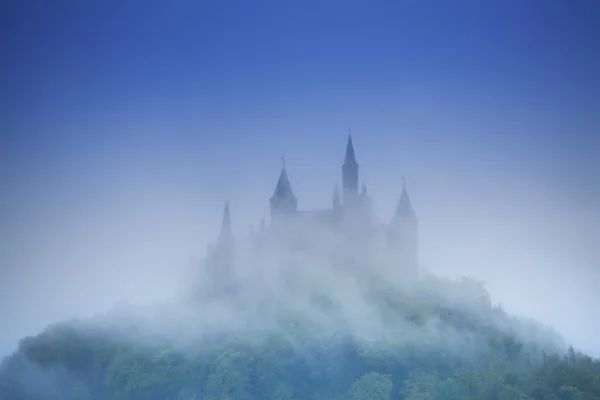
(311, 313)
(441, 337)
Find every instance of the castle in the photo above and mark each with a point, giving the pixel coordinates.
(350, 216)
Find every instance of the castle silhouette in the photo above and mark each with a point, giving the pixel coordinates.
(350, 216)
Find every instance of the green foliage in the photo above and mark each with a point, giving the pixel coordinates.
(425, 349)
(372, 386)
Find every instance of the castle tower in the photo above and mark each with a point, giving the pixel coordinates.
(365, 200)
(350, 176)
(225, 245)
(404, 232)
(226, 234)
(283, 202)
(337, 201)
(221, 259)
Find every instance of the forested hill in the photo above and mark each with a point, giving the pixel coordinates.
(442, 341)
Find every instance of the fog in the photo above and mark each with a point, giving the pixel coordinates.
(124, 129)
(536, 254)
(305, 280)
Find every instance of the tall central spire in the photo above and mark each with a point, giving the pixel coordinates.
(350, 157)
(350, 175)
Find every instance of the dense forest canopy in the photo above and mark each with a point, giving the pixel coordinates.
(304, 333)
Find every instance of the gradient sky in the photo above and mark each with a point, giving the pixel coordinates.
(126, 124)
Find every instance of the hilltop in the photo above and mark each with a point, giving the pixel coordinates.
(442, 339)
(313, 314)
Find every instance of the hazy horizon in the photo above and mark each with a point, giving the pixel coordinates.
(126, 127)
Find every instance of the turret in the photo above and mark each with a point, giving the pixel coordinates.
(283, 202)
(350, 176)
(337, 201)
(226, 234)
(221, 261)
(365, 200)
(404, 231)
(404, 210)
(226, 243)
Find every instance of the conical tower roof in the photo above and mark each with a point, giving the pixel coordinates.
(226, 222)
(283, 189)
(404, 208)
(350, 158)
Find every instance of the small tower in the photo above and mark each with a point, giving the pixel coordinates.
(226, 234)
(365, 200)
(283, 202)
(222, 260)
(404, 232)
(225, 246)
(350, 176)
(337, 201)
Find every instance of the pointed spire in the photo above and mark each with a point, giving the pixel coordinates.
(404, 208)
(226, 223)
(283, 188)
(337, 201)
(350, 157)
(226, 217)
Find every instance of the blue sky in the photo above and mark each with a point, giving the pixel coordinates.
(126, 124)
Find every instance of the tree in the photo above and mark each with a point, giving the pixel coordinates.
(371, 386)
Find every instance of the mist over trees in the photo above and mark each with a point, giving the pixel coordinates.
(303, 315)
